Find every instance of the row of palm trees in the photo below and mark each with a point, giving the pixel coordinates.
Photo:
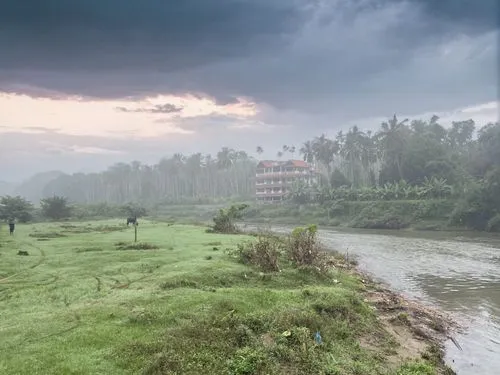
(179, 178)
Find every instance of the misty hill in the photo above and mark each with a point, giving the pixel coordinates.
(32, 189)
(6, 188)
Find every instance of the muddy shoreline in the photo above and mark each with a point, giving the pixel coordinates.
(420, 331)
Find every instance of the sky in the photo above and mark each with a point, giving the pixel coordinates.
(85, 84)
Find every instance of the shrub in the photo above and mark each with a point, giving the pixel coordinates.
(224, 220)
(375, 216)
(16, 208)
(263, 253)
(55, 208)
(303, 246)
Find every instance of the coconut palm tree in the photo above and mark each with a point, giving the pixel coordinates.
(307, 151)
(392, 141)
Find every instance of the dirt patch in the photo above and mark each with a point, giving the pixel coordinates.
(417, 331)
(408, 329)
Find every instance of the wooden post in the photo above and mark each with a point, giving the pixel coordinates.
(135, 232)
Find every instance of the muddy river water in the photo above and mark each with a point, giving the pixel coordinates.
(459, 273)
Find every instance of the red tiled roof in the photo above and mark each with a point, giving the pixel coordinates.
(299, 163)
(266, 164)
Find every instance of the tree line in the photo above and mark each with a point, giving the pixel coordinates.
(414, 159)
(411, 160)
(17, 208)
(180, 178)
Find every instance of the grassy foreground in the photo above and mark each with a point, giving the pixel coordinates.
(86, 301)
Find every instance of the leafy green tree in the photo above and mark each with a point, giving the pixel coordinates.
(134, 210)
(15, 208)
(324, 150)
(392, 139)
(307, 151)
(55, 208)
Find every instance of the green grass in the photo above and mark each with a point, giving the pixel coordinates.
(92, 302)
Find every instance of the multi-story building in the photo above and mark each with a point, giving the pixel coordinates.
(274, 179)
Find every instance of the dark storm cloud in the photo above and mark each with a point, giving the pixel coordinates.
(159, 108)
(476, 15)
(351, 57)
(149, 34)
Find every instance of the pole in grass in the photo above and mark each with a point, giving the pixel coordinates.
(135, 230)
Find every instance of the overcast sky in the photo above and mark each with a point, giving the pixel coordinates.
(84, 84)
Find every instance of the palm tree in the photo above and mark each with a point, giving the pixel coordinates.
(307, 150)
(260, 150)
(225, 158)
(325, 150)
(392, 142)
(279, 154)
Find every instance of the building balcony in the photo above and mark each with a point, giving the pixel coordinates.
(270, 194)
(284, 173)
(274, 184)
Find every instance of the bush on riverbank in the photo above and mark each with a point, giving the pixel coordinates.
(301, 249)
(224, 220)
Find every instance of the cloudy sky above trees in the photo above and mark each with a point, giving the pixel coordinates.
(88, 83)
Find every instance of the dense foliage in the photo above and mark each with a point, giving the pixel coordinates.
(15, 208)
(411, 161)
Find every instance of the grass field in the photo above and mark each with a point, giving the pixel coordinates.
(85, 301)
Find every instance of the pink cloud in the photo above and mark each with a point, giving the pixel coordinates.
(143, 118)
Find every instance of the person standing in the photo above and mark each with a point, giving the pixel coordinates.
(12, 226)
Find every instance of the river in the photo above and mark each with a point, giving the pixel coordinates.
(459, 273)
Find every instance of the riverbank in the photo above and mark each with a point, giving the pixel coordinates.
(417, 214)
(419, 331)
(432, 214)
(87, 299)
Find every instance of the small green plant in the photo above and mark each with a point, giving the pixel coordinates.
(402, 318)
(224, 220)
(416, 368)
(247, 361)
(303, 246)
